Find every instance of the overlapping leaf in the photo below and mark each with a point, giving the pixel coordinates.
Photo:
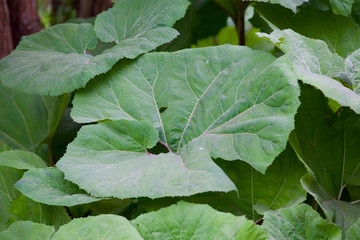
(315, 64)
(99, 227)
(27, 230)
(352, 69)
(27, 120)
(192, 221)
(327, 143)
(279, 187)
(8, 193)
(299, 222)
(57, 60)
(115, 155)
(344, 214)
(21, 160)
(48, 186)
(240, 106)
(340, 33)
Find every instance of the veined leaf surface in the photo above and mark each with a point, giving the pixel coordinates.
(299, 222)
(27, 120)
(343, 214)
(115, 155)
(239, 107)
(57, 60)
(314, 64)
(49, 186)
(195, 221)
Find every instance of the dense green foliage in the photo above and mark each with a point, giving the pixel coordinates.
(150, 123)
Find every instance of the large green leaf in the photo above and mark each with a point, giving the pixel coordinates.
(26, 120)
(352, 69)
(8, 177)
(57, 60)
(327, 142)
(21, 160)
(353, 232)
(340, 33)
(48, 186)
(240, 106)
(99, 227)
(111, 159)
(344, 214)
(279, 187)
(315, 64)
(26, 230)
(23, 209)
(299, 222)
(193, 221)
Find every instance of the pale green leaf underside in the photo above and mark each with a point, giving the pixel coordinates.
(26, 230)
(314, 64)
(298, 223)
(56, 60)
(111, 159)
(21, 126)
(21, 160)
(48, 186)
(343, 214)
(98, 227)
(353, 232)
(194, 221)
(240, 106)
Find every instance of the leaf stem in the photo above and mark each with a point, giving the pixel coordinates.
(50, 153)
(240, 20)
(167, 147)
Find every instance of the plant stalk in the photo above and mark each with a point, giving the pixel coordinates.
(240, 7)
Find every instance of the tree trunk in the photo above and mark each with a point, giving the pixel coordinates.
(24, 18)
(6, 45)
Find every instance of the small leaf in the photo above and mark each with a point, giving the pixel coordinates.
(342, 7)
(99, 227)
(21, 160)
(194, 221)
(299, 222)
(22, 230)
(352, 69)
(48, 186)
